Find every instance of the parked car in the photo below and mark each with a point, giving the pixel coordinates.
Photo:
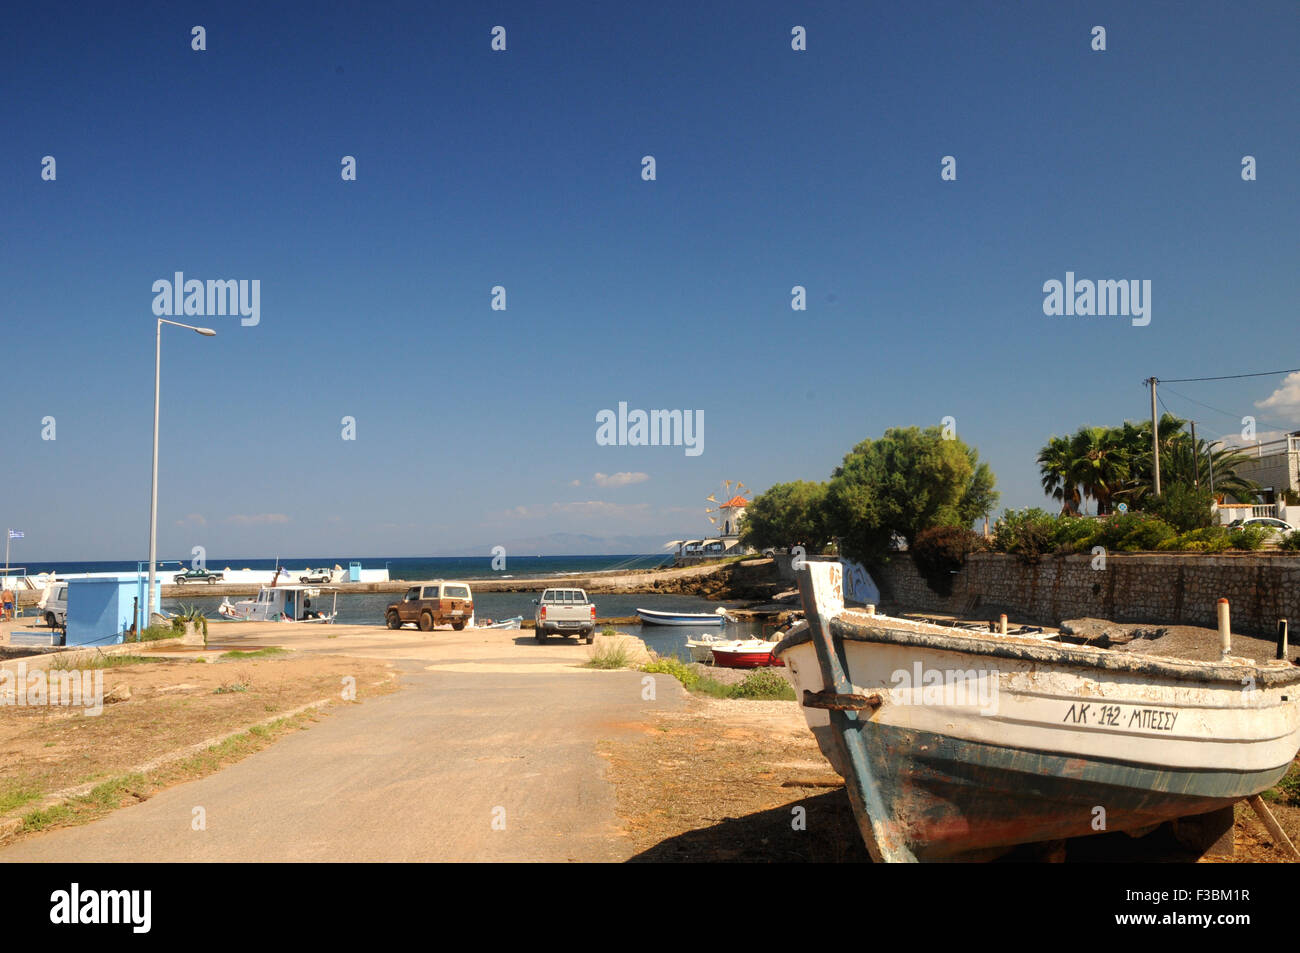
(564, 612)
(54, 605)
(315, 575)
(197, 575)
(1268, 522)
(431, 604)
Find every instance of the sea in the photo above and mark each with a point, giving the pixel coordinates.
(368, 608)
(399, 567)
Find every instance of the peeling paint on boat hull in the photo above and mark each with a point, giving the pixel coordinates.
(955, 743)
(952, 796)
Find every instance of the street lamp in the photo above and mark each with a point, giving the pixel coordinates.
(153, 505)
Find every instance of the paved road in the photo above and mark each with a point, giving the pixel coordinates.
(416, 775)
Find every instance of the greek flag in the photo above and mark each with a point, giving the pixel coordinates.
(15, 534)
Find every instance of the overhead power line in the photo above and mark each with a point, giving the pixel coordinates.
(1226, 377)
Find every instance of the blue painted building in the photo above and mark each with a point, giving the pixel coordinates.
(102, 609)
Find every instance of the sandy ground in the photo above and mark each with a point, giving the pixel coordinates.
(486, 752)
(586, 767)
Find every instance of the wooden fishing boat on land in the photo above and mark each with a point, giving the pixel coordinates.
(956, 743)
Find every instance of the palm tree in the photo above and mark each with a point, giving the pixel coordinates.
(1101, 463)
(1181, 462)
(1109, 464)
(1136, 439)
(1056, 465)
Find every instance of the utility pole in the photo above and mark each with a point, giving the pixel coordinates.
(1155, 439)
(1196, 460)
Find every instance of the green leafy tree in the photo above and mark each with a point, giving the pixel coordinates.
(907, 481)
(788, 514)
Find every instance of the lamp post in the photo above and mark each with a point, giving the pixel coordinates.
(153, 504)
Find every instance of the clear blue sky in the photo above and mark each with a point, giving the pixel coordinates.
(476, 168)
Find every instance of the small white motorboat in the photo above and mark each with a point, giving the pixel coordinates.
(652, 617)
(511, 623)
(701, 649)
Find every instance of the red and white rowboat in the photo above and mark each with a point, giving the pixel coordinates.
(745, 653)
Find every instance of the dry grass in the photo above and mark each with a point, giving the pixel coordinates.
(172, 705)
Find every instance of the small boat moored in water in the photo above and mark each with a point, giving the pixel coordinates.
(701, 649)
(511, 623)
(280, 604)
(653, 617)
(960, 744)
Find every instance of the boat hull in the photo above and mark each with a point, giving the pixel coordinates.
(700, 653)
(734, 658)
(955, 797)
(1041, 742)
(650, 617)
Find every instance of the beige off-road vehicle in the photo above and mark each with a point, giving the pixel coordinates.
(431, 604)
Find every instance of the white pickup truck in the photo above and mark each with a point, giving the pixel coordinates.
(564, 612)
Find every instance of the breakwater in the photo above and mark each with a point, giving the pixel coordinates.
(751, 579)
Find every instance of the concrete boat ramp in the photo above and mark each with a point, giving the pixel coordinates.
(487, 752)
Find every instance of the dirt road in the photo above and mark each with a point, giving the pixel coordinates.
(487, 752)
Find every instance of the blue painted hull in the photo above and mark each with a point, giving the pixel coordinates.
(650, 617)
(952, 796)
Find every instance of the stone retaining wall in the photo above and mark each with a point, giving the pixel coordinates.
(1169, 589)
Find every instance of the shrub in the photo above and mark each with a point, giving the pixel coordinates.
(764, 683)
(1146, 536)
(1072, 532)
(1291, 542)
(610, 653)
(1247, 537)
(1185, 508)
(154, 633)
(940, 551)
(1028, 533)
(1288, 789)
(671, 665)
(1131, 532)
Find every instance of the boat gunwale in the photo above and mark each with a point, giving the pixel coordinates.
(1267, 674)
